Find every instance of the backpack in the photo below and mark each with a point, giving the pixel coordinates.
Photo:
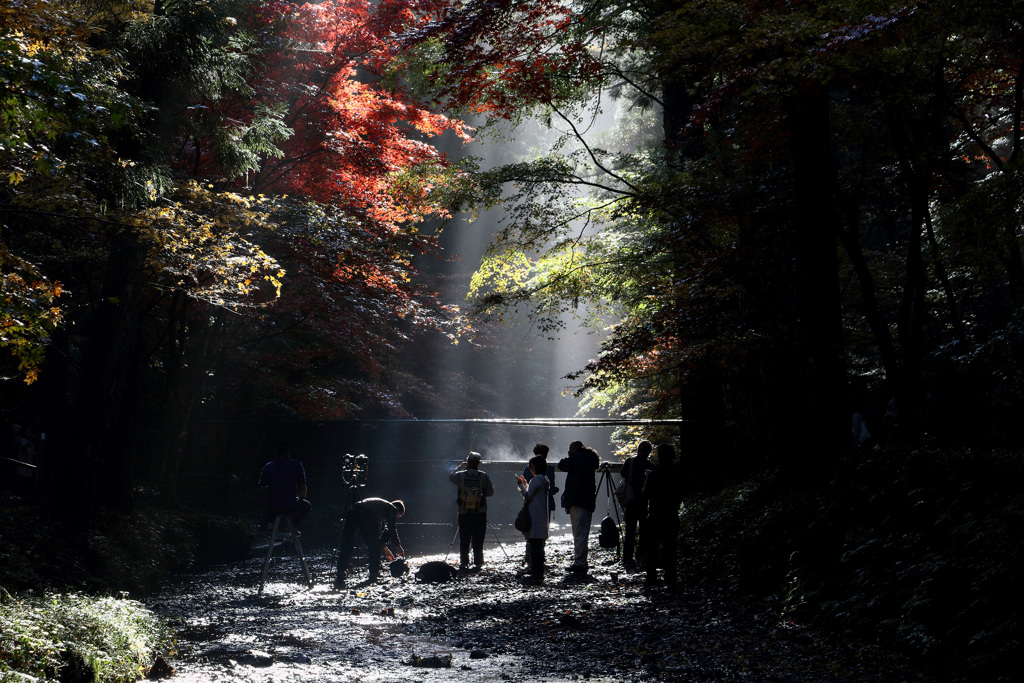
(609, 537)
(624, 491)
(471, 492)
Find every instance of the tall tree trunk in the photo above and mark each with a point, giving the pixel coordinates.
(189, 357)
(677, 105)
(818, 328)
(908, 387)
(95, 466)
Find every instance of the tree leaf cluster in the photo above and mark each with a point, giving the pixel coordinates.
(826, 208)
(227, 197)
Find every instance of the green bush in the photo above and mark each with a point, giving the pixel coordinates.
(72, 637)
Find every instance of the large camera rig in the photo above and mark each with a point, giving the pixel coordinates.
(355, 470)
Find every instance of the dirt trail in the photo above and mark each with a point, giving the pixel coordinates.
(491, 627)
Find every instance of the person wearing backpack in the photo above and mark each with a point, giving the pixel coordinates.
(474, 489)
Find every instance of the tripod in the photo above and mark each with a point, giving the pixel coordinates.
(609, 489)
(495, 533)
(612, 501)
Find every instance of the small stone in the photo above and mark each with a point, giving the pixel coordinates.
(160, 669)
(257, 658)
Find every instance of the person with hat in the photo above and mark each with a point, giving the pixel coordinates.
(474, 489)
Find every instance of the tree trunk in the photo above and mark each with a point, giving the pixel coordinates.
(818, 330)
(908, 385)
(94, 468)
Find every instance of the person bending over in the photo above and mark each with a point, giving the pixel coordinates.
(375, 520)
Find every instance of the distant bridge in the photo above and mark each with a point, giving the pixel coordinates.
(518, 465)
(538, 421)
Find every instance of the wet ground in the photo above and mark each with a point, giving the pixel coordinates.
(490, 626)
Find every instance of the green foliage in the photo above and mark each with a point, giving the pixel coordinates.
(76, 637)
(692, 235)
(27, 312)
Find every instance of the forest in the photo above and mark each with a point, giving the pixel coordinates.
(804, 215)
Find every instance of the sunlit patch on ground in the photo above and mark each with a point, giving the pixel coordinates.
(489, 626)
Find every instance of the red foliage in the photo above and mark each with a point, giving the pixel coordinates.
(504, 55)
(353, 131)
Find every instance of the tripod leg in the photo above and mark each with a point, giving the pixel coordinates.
(500, 544)
(302, 555)
(270, 551)
(615, 502)
(452, 544)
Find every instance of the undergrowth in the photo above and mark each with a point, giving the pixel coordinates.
(918, 549)
(74, 637)
(134, 553)
(73, 633)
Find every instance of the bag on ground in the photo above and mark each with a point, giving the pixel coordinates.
(609, 537)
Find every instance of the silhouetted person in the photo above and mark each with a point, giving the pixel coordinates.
(663, 491)
(580, 499)
(634, 471)
(549, 472)
(474, 489)
(376, 521)
(535, 493)
(285, 479)
(891, 421)
(860, 429)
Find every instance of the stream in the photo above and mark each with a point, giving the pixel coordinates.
(490, 626)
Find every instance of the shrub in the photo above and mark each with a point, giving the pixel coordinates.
(72, 637)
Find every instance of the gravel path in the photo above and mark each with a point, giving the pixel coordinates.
(491, 627)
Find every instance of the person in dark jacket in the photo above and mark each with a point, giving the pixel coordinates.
(634, 471)
(375, 519)
(663, 491)
(285, 480)
(580, 499)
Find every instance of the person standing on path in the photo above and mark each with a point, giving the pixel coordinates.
(634, 471)
(663, 490)
(474, 489)
(548, 471)
(285, 479)
(535, 493)
(580, 499)
(375, 519)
